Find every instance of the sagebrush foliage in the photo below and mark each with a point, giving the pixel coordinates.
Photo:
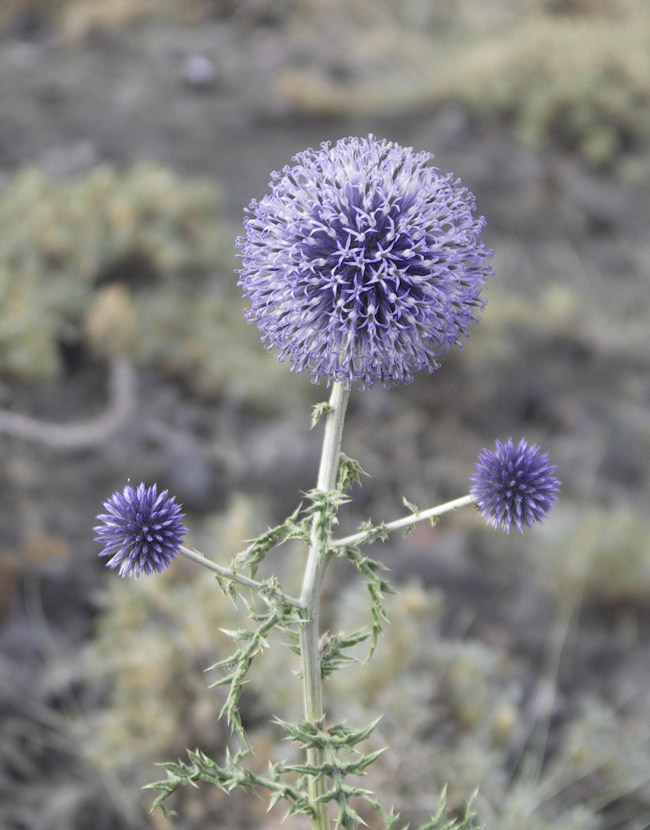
(573, 75)
(131, 260)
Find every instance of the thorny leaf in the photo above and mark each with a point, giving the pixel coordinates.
(377, 586)
(258, 547)
(330, 742)
(318, 411)
(237, 665)
(410, 506)
(350, 472)
(333, 650)
(442, 820)
(227, 778)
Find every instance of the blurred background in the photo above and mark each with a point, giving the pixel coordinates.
(133, 133)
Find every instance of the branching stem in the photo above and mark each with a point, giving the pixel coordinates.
(226, 573)
(310, 595)
(406, 521)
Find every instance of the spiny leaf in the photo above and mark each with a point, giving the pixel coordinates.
(333, 650)
(227, 778)
(350, 472)
(342, 735)
(227, 587)
(253, 641)
(377, 586)
(389, 819)
(330, 742)
(258, 547)
(442, 820)
(318, 411)
(410, 506)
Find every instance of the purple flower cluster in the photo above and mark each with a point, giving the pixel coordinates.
(141, 530)
(514, 485)
(363, 263)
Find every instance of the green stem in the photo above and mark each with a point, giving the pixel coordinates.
(405, 521)
(226, 573)
(310, 595)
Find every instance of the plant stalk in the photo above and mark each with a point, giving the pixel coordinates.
(406, 521)
(310, 595)
(226, 573)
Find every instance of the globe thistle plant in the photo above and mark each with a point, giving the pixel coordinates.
(141, 530)
(364, 263)
(514, 486)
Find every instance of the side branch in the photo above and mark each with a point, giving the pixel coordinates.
(226, 573)
(407, 521)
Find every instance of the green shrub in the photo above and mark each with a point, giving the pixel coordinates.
(577, 77)
(133, 261)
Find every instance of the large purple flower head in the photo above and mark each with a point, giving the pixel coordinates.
(141, 530)
(514, 485)
(363, 263)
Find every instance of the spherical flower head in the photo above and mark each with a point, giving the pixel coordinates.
(363, 263)
(141, 530)
(514, 485)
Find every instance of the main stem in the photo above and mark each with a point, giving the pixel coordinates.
(310, 595)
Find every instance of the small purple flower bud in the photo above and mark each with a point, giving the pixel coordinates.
(514, 485)
(141, 531)
(363, 263)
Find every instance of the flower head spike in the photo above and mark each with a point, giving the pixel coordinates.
(363, 263)
(514, 485)
(141, 530)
